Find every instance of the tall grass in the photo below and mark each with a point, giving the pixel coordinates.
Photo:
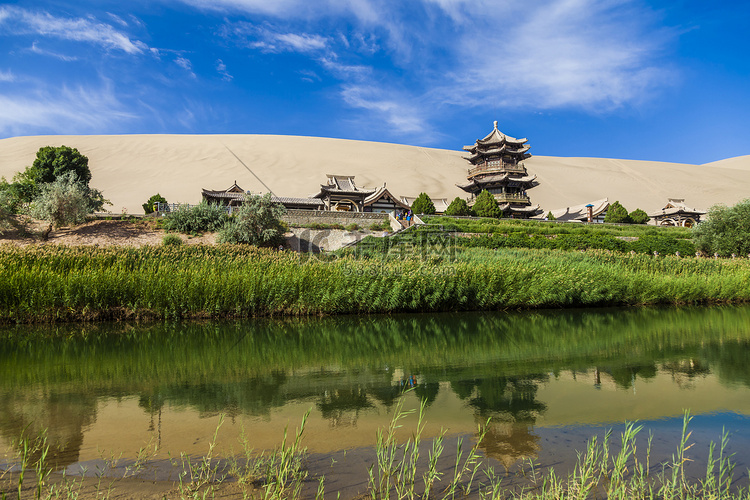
(611, 468)
(59, 283)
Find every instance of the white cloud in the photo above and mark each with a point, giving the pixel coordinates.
(222, 70)
(7, 76)
(62, 111)
(185, 64)
(19, 21)
(43, 52)
(401, 115)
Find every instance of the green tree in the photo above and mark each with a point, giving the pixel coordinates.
(550, 216)
(52, 162)
(486, 205)
(62, 202)
(423, 205)
(148, 207)
(257, 222)
(616, 213)
(725, 231)
(458, 207)
(638, 216)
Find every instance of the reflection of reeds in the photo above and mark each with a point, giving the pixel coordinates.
(58, 283)
(604, 470)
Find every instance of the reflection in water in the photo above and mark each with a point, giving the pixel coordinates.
(353, 370)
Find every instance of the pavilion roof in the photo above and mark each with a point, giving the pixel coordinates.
(580, 212)
(342, 184)
(382, 192)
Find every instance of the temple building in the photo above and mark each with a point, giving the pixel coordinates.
(341, 193)
(497, 166)
(382, 201)
(676, 213)
(234, 196)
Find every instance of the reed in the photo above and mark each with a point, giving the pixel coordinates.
(49, 283)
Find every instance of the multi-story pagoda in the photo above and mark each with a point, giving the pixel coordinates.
(497, 166)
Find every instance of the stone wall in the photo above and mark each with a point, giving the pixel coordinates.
(304, 217)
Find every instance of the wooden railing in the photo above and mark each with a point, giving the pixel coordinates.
(502, 168)
(512, 198)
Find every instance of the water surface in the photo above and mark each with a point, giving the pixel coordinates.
(547, 380)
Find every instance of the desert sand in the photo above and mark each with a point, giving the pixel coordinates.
(131, 168)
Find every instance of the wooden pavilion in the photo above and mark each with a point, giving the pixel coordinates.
(497, 166)
(676, 213)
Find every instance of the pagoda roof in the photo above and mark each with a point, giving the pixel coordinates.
(515, 208)
(496, 179)
(497, 137)
(233, 192)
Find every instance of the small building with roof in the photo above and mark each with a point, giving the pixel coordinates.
(441, 204)
(677, 213)
(234, 196)
(382, 201)
(497, 166)
(341, 193)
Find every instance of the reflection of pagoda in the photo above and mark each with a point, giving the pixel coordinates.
(497, 166)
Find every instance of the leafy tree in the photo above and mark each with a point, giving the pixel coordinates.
(550, 216)
(148, 207)
(486, 205)
(638, 216)
(51, 163)
(6, 209)
(616, 213)
(257, 222)
(725, 231)
(458, 207)
(423, 205)
(66, 201)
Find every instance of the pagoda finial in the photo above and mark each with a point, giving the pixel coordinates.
(495, 122)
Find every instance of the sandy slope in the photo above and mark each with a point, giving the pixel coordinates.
(130, 168)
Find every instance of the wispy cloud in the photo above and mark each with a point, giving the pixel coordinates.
(62, 110)
(44, 52)
(19, 21)
(185, 64)
(7, 76)
(221, 68)
(591, 55)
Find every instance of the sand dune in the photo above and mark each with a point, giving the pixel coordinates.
(131, 168)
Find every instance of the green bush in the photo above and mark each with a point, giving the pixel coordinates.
(486, 205)
(423, 205)
(638, 216)
(550, 216)
(725, 231)
(617, 214)
(257, 222)
(148, 207)
(200, 218)
(352, 227)
(63, 202)
(171, 240)
(458, 207)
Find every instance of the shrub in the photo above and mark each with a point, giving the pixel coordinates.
(148, 207)
(638, 216)
(170, 240)
(200, 218)
(616, 213)
(486, 205)
(458, 207)
(380, 226)
(725, 231)
(423, 205)
(550, 216)
(352, 227)
(257, 222)
(66, 201)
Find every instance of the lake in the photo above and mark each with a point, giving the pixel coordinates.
(546, 380)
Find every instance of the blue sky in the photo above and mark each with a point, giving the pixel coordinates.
(665, 81)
